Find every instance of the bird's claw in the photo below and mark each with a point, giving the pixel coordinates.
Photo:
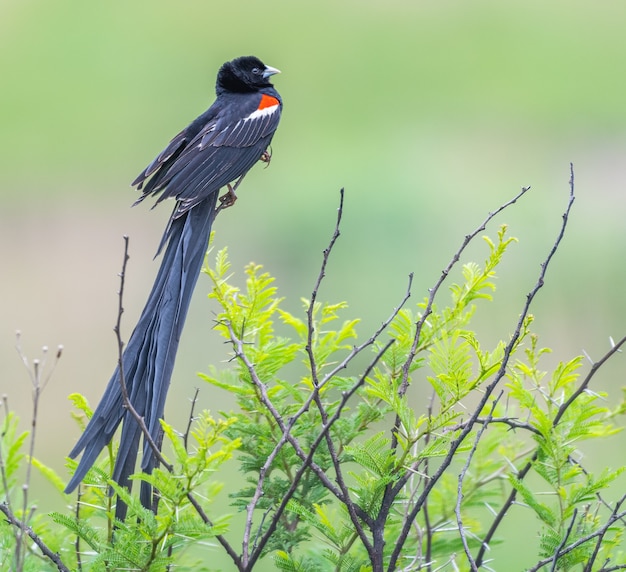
(228, 199)
(266, 157)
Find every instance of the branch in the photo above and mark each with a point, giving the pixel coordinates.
(318, 402)
(35, 371)
(511, 422)
(53, 556)
(459, 494)
(600, 498)
(356, 350)
(557, 552)
(427, 524)
(615, 516)
(191, 418)
(435, 289)
(585, 383)
(356, 514)
(285, 428)
(525, 470)
(352, 509)
(286, 437)
(3, 467)
(489, 389)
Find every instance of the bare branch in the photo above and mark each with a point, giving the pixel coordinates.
(320, 277)
(77, 550)
(120, 362)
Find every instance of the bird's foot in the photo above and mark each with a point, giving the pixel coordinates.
(266, 156)
(228, 199)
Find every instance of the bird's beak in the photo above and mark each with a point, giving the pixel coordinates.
(269, 71)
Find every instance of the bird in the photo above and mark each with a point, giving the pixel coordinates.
(214, 151)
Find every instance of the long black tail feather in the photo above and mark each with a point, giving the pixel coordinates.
(148, 359)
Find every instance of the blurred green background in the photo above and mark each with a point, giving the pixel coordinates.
(430, 114)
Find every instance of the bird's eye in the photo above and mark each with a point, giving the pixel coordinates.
(256, 70)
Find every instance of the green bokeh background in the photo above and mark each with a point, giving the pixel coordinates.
(430, 114)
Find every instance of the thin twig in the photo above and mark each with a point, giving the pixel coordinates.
(120, 362)
(191, 418)
(318, 282)
(585, 383)
(404, 385)
(435, 289)
(526, 469)
(373, 551)
(557, 552)
(461, 478)
(615, 516)
(584, 471)
(429, 532)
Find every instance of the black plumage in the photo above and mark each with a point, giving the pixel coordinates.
(216, 150)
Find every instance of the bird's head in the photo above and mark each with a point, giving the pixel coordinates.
(244, 74)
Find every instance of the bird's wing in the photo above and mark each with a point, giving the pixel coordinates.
(157, 170)
(174, 147)
(224, 148)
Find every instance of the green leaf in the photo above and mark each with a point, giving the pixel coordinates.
(541, 510)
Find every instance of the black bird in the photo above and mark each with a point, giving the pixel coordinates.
(216, 150)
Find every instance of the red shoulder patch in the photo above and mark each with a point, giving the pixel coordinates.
(267, 101)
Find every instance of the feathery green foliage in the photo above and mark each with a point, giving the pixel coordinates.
(400, 451)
